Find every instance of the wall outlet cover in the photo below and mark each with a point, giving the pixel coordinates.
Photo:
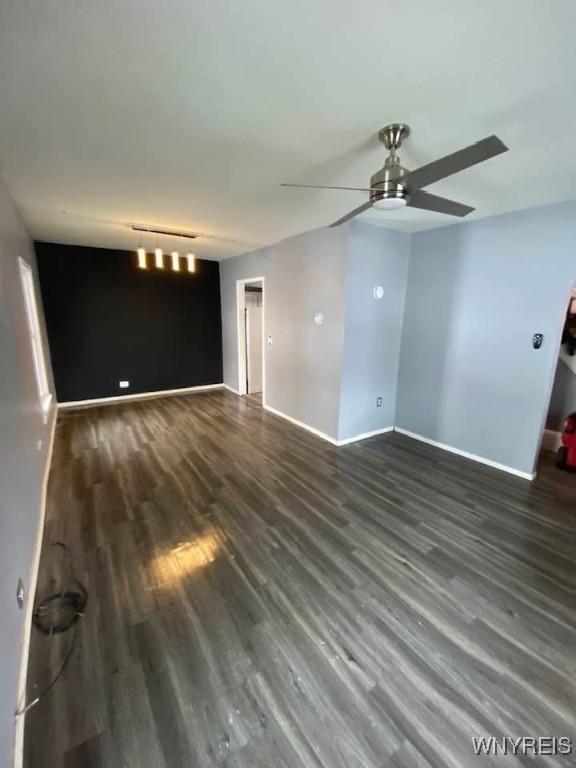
(378, 402)
(318, 318)
(123, 384)
(378, 292)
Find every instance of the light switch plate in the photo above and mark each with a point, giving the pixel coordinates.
(20, 594)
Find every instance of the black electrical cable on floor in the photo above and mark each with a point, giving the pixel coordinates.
(56, 614)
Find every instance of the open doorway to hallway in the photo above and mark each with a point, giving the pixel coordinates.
(251, 338)
(563, 396)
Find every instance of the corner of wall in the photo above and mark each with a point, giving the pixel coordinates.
(372, 328)
(405, 309)
(349, 231)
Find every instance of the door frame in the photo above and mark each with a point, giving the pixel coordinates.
(241, 337)
(557, 343)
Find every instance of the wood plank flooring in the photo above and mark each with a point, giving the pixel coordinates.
(261, 599)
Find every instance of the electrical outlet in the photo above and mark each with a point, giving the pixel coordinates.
(378, 402)
(123, 384)
(20, 594)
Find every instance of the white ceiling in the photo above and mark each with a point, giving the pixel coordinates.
(190, 113)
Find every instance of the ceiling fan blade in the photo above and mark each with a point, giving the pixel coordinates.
(355, 212)
(428, 202)
(451, 164)
(320, 186)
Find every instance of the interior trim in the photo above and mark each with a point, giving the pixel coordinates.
(466, 455)
(138, 396)
(30, 595)
(301, 424)
(365, 435)
(323, 435)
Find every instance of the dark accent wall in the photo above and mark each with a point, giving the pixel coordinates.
(107, 320)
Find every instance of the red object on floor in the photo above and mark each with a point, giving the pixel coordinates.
(567, 453)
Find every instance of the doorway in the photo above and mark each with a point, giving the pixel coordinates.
(251, 337)
(563, 396)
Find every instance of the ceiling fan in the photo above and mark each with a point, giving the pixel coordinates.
(394, 186)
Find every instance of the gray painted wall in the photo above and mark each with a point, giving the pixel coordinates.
(372, 328)
(563, 400)
(476, 293)
(21, 463)
(304, 275)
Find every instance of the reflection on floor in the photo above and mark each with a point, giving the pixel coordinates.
(260, 598)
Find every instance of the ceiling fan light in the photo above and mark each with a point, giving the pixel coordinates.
(390, 203)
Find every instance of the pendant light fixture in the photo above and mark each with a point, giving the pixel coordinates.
(142, 251)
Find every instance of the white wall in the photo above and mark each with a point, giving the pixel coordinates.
(373, 328)
(477, 292)
(22, 463)
(304, 275)
(327, 376)
(456, 366)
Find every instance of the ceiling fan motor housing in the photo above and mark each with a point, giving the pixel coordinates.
(384, 183)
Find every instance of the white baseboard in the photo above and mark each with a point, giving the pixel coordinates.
(365, 435)
(139, 396)
(30, 594)
(551, 440)
(466, 455)
(240, 394)
(301, 424)
(323, 435)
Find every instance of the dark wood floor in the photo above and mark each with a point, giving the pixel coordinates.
(261, 599)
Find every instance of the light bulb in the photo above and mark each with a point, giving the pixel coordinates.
(175, 261)
(142, 257)
(159, 258)
(191, 259)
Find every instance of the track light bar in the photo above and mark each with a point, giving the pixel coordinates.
(170, 232)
